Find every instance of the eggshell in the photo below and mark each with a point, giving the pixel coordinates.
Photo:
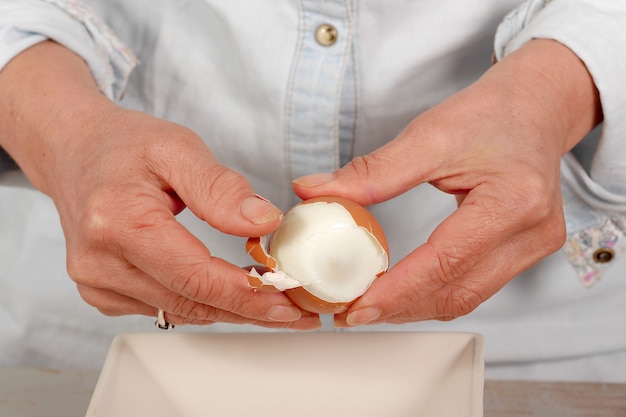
(300, 295)
(361, 216)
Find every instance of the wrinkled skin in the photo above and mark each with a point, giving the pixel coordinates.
(496, 146)
(118, 178)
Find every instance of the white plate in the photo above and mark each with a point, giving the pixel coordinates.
(292, 374)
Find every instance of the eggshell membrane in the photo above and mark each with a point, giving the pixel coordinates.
(255, 247)
(256, 283)
(300, 295)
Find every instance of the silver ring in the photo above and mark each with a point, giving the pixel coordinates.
(161, 323)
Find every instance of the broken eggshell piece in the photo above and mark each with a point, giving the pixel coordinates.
(325, 254)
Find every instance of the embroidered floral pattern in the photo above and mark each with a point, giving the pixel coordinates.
(120, 57)
(582, 246)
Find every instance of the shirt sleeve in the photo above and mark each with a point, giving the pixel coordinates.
(594, 173)
(24, 23)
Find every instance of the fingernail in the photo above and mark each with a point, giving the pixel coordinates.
(314, 180)
(283, 313)
(340, 324)
(259, 210)
(306, 323)
(364, 316)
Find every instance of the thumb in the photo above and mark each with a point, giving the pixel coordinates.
(379, 176)
(220, 196)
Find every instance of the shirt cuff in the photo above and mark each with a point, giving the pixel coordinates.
(594, 196)
(594, 31)
(24, 23)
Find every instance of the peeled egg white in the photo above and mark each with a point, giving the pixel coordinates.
(325, 254)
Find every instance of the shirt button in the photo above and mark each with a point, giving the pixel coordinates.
(326, 35)
(603, 255)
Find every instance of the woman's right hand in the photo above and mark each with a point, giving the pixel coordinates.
(118, 178)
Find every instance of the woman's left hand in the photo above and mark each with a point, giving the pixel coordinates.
(497, 147)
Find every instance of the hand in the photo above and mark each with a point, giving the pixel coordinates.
(496, 146)
(118, 178)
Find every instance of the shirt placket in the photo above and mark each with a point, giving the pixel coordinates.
(315, 86)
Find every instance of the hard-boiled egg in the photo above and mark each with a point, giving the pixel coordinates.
(325, 254)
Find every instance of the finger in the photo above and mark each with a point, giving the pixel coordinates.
(185, 266)
(118, 300)
(115, 297)
(448, 301)
(383, 174)
(112, 303)
(173, 272)
(468, 258)
(150, 239)
(221, 197)
(170, 272)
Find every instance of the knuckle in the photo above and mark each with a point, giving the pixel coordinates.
(188, 310)
(452, 266)
(188, 287)
(552, 236)
(110, 218)
(452, 299)
(75, 267)
(456, 301)
(109, 312)
(541, 212)
(221, 182)
(363, 168)
(90, 295)
(535, 203)
(198, 284)
(360, 166)
(162, 142)
(97, 225)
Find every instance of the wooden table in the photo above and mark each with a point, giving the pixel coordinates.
(554, 399)
(54, 393)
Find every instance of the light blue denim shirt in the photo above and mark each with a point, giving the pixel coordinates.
(320, 107)
(256, 76)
